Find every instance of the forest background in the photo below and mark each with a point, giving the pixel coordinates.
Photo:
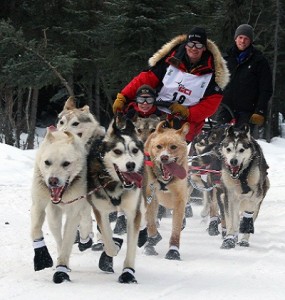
(52, 49)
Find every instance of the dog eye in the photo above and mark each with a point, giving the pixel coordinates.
(173, 147)
(47, 163)
(158, 146)
(117, 151)
(135, 150)
(66, 164)
(139, 130)
(75, 124)
(61, 122)
(228, 149)
(241, 150)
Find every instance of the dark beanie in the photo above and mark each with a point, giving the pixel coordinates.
(146, 91)
(246, 30)
(198, 34)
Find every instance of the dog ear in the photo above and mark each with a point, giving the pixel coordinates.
(184, 129)
(70, 103)
(161, 126)
(246, 129)
(70, 136)
(85, 108)
(230, 131)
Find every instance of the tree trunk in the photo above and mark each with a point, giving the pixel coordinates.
(8, 118)
(32, 118)
(270, 119)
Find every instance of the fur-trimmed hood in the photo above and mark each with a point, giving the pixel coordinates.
(222, 75)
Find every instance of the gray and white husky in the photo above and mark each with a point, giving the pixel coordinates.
(115, 164)
(79, 121)
(60, 179)
(245, 183)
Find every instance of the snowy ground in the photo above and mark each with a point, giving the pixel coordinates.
(205, 272)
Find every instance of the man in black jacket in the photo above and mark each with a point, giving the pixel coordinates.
(250, 86)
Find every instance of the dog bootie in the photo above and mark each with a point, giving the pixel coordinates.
(106, 261)
(128, 276)
(121, 225)
(246, 224)
(98, 247)
(61, 274)
(188, 211)
(85, 244)
(142, 237)
(173, 253)
(243, 243)
(213, 226)
(229, 242)
(42, 258)
(151, 242)
(113, 216)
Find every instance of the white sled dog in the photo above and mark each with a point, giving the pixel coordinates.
(83, 123)
(245, 183)
(115, 164)
(59, 180)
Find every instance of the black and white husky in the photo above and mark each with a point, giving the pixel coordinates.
(115, 168)
(245, 183)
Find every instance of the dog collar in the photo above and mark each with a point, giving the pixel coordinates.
(147, 160)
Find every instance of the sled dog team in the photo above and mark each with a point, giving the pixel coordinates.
(82, 170)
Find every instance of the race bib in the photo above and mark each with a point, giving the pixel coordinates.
(183, 88)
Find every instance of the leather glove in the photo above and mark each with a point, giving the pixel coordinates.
(177, 108)
(119, 103)
(256, 119)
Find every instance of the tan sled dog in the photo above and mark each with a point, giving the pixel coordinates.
(166, 183)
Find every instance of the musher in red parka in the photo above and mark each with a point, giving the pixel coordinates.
(190, 73)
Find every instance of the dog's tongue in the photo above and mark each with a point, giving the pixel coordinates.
(176, 170)
(136, 178)
(235, 170)
(56, 194)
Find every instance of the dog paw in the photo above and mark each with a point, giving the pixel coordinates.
(142, 237)
(173, 254)
(61, 274)
(228, 243)
(128, 276)
(213, 228)
(42, 259)
(106, 263)
(85, 246)
(149, 250)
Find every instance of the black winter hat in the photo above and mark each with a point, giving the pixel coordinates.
(146, 91)
(244, 29)
(198, 34)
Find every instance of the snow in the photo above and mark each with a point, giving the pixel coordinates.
(205, 272)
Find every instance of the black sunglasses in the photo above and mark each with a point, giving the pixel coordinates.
(148, 100)
(196, 45)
